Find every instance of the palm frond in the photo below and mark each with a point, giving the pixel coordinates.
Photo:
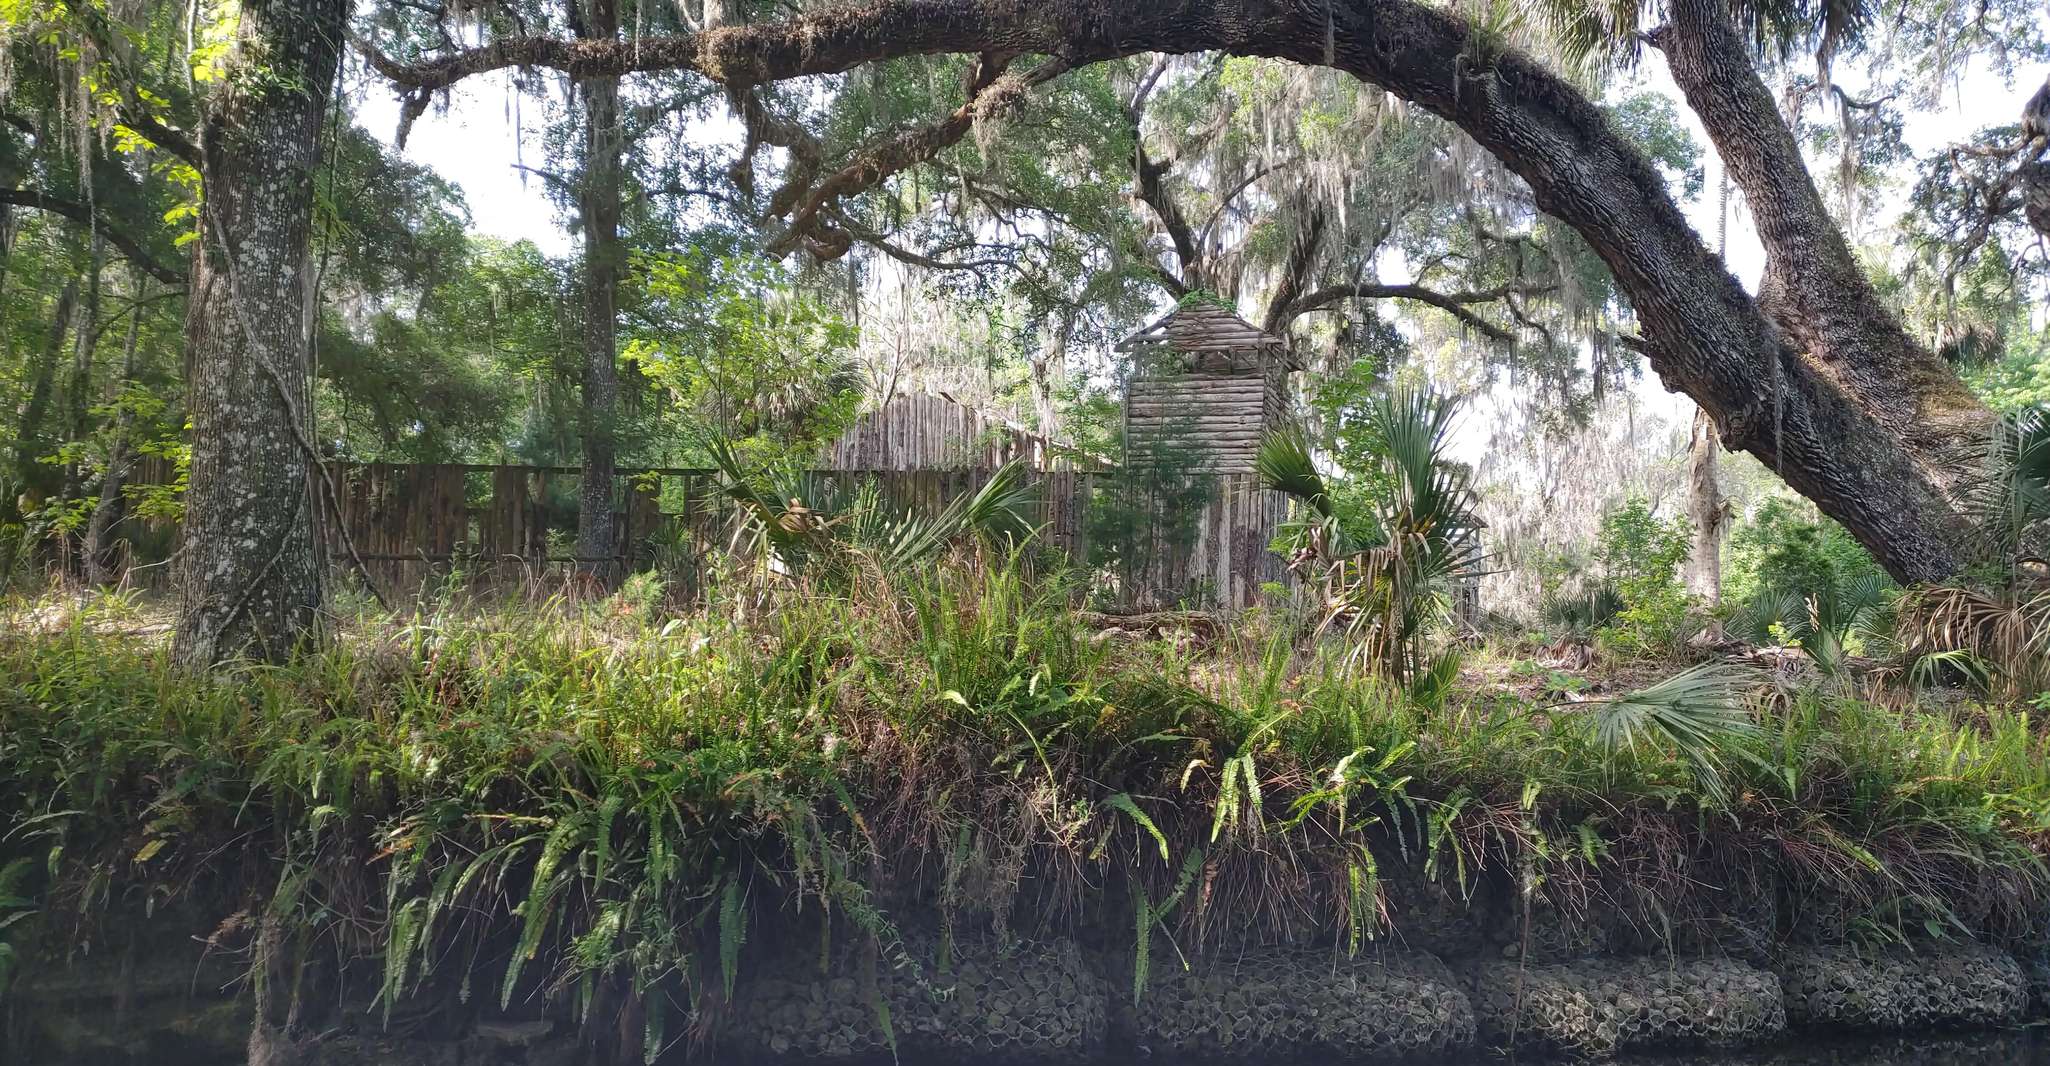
(1698, 715)
(1000, 512)
(1386, 597)
(2014, 501)
(1285, 466)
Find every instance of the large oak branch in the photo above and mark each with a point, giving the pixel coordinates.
(1814, 288)
(1457, 304)
(83, 215)
(1704, 334)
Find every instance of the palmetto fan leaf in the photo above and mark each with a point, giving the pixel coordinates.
(1698, 715)
(801, 516)
(1000, 512)
(1284, 465)
(2018, 506)
(777, 515)
(1589, 35)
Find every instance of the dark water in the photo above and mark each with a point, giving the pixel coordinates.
(2026, 1048)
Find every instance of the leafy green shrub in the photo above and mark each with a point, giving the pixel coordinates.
(1641, 555)
(1782, 551)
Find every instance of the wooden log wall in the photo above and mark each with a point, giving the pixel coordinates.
(414, 524)
(1215, 420)
(918, 431)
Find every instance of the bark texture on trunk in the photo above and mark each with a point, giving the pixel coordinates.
(1838, 330)
(597, 540)
(1848, 449)
(1705, 511)
(250, 567)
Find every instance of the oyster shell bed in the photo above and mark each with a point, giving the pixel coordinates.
(1289, 1003)
(1947, 986)
(1596, 1008)
(1053, 1002)
(1032, 1002)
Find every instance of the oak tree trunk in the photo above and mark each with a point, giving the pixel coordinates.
(1906, 409)
(250, 567)
(597, 540)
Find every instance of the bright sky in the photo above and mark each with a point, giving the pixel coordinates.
(478, 144)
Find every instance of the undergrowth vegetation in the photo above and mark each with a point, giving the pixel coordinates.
(601, 804)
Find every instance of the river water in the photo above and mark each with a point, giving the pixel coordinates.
(2028, 1048)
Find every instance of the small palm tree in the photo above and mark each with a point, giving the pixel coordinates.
(1824, 624)
(1994, 626)
(1388, 595)
(2015, 504)
(792, 519)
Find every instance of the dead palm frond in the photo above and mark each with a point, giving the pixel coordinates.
(2004, 631)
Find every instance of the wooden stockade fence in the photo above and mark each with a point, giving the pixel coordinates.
(414, 523)
(922, 431)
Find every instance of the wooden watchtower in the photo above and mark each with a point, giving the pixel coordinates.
(1207, 386)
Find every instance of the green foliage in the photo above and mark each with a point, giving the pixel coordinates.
(1147, 516)
(1785, 549)
(743, 352)
(1698, 714)
(1640, 556)
(793, 519)
(1652, 122)
(1582, 613)
(2015, 510)
(600, 799)
(2018, 379)
(15, 909)
(1344, 401)
(1828, 625)
(1389, 593)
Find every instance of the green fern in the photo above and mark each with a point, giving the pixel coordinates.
(732, 932)
(537, 910)
(1363, 898)
(1123, 802)
(1146, 914)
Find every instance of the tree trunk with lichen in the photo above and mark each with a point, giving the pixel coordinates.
(1705, 511)
(250, 573)
(598, 206)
